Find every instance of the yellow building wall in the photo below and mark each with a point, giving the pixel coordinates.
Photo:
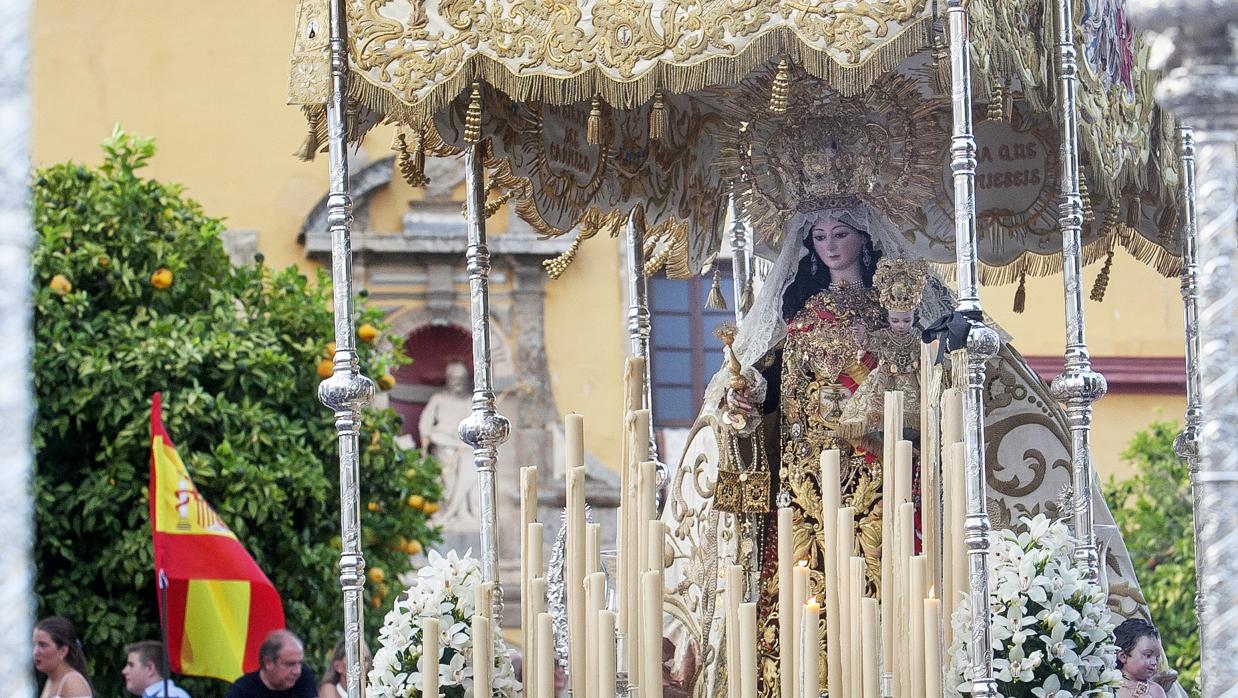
(208, 80)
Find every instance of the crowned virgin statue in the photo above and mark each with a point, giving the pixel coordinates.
(836, 323)
(815, 343)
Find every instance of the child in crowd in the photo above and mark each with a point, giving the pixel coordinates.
(1139, 658)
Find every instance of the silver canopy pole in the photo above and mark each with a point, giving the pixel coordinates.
(982, 344)
(347, 391)
(639, 324)
(1186, 445)
(1078, 386)
(1202, 89)
(740, 272)
(485, 428)
(16, 399)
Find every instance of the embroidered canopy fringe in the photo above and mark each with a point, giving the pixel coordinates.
(722, 70)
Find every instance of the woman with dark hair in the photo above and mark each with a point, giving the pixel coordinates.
(1139, 658)
(58, 654)
(334, 681)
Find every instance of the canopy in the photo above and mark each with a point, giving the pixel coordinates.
(593, 106)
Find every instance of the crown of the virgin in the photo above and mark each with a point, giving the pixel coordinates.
(833, 163)
(827, 151)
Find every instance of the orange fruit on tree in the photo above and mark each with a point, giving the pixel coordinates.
(386, 381)
(376, 602)
(430, 507)
(372, 506)
(60, 285)
(413, 547)
(416, 501)
(162, 278)
(377, 575)
(367, 333)
(325, 368)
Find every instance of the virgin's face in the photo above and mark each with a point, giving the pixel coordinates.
(837, 244)
(47, 656)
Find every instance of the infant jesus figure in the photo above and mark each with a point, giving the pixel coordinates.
(900, 284)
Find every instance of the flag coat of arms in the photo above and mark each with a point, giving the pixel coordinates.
(219, 604)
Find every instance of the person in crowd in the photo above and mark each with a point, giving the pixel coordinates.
(58, 655)
(281, 671)
(143, 674)
(334, 683)
(1139, 658)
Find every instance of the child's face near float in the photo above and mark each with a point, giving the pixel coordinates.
(901, 320)
(1142, 662)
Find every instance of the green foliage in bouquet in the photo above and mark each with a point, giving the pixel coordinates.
(134, 294)
(1153, 510)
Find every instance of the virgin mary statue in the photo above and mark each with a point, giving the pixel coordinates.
(836, 322)
(800, 359)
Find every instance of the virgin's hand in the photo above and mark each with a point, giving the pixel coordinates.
(739, 401)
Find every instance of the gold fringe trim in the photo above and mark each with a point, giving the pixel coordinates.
(780, 91)
(472, 118)
(716, 300)
(849, 80)
(1020, 295)
(657, 117)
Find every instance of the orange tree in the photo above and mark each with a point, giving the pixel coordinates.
(134, 294)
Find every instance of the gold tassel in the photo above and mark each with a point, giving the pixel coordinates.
(593, 127)
(492, 207)
(657, 117)
(745, 300)
(716, 300)
(996, 101)
(1089, 214)
(781, 89)
(1102, 279)
(1020, 295)
(412, 161)
(1133, 212)
(555, 267)
(314, 118)
(1111, 219)
(472, 118)
(941, 56)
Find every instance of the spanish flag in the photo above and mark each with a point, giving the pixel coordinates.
(219, 605)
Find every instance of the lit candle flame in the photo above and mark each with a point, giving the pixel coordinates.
(932, 592)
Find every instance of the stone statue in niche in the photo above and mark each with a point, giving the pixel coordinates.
(440, 437)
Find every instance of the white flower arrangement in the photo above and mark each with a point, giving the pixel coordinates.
(1051, 633)
(442, 589)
